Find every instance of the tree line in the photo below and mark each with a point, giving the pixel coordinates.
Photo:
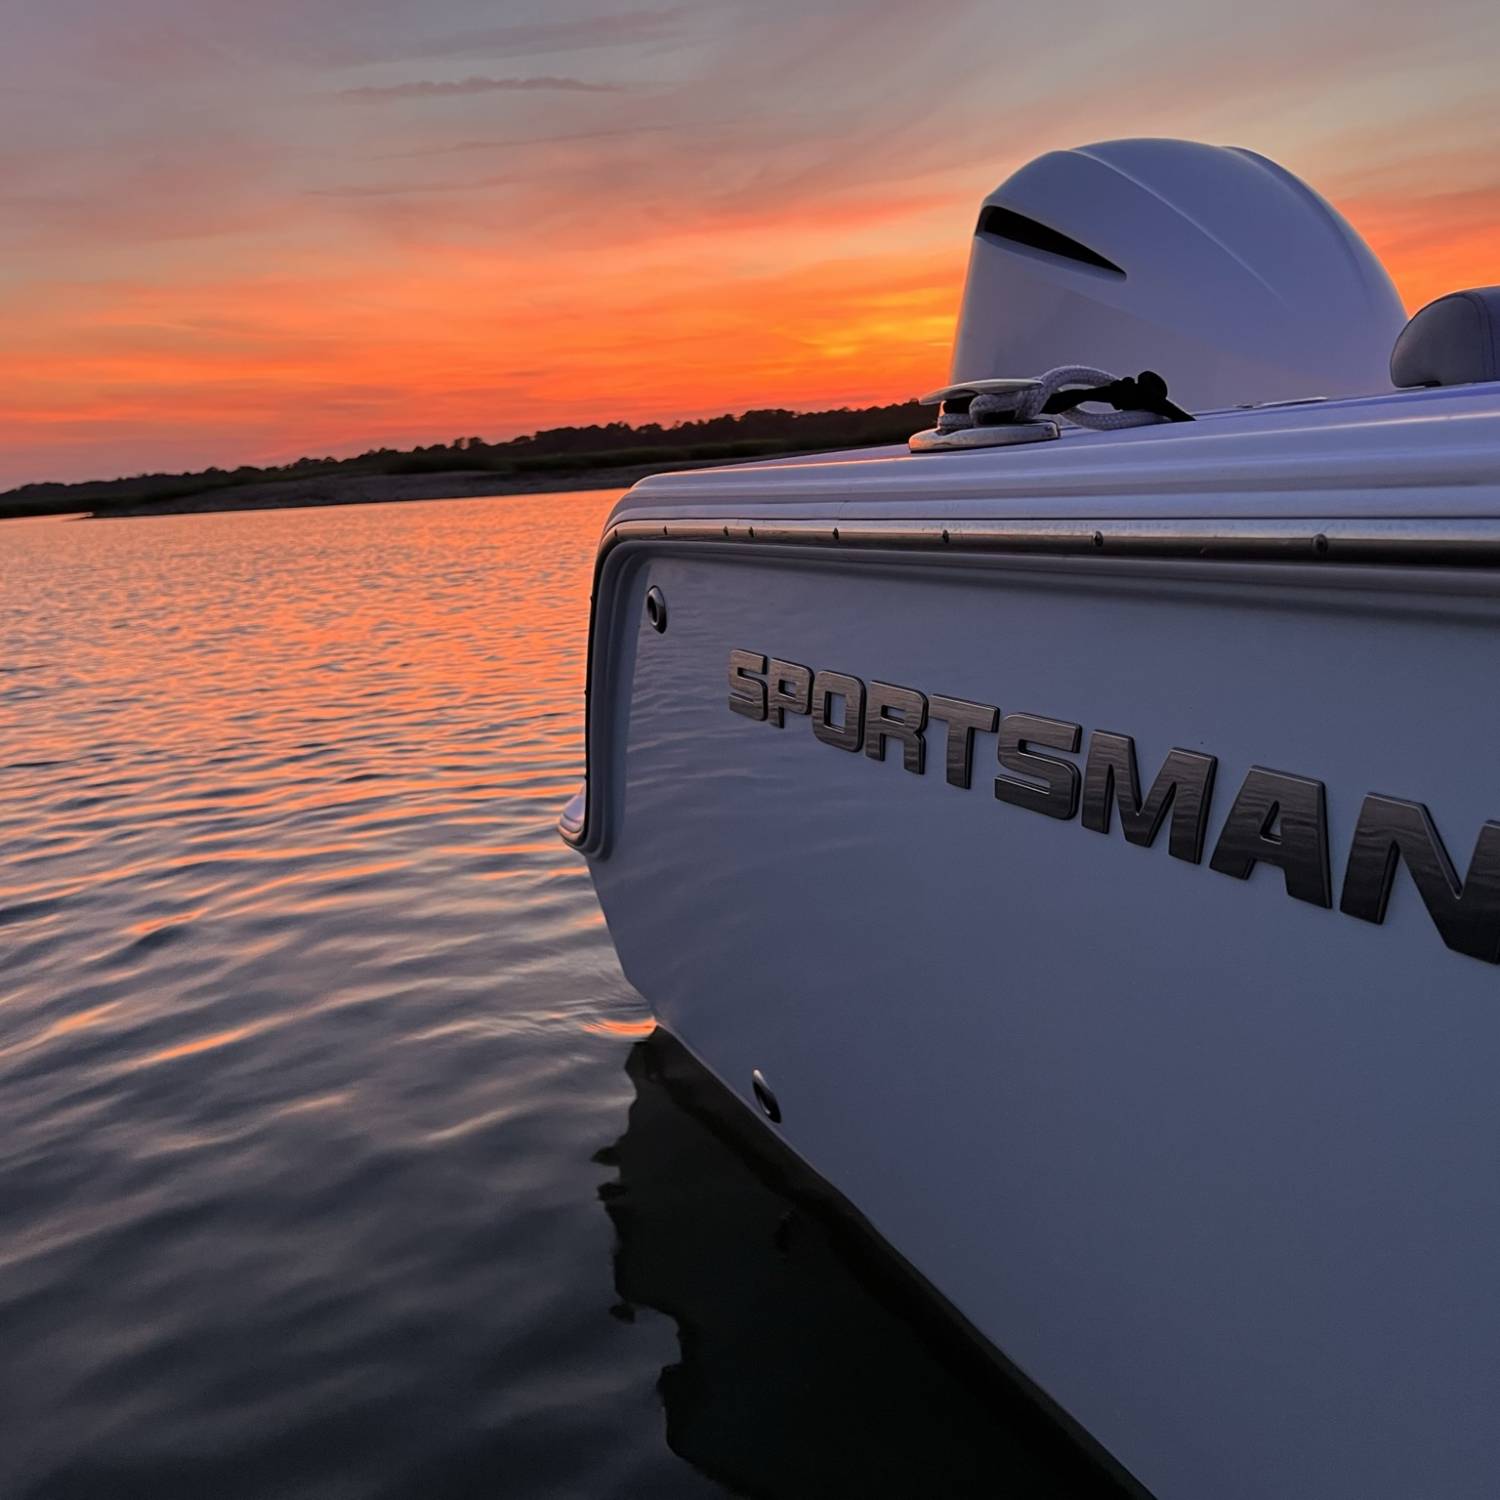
(751, 434)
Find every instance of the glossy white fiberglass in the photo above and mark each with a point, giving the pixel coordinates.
(1229, 273)
(1218, 1169)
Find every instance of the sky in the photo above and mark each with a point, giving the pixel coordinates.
(241, 231)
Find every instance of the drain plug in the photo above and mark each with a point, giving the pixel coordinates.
(656, 608)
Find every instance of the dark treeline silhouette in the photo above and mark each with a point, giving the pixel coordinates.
(560, 450)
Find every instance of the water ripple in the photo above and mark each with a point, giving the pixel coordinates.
(293, 1100)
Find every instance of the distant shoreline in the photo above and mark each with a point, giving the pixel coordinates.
(611, 455)
(378, 489)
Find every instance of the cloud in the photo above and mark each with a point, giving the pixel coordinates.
(580, 33)
(466, 86)
(404, 189)
(513, 143)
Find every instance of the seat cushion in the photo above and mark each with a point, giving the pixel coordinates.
(1453, 341)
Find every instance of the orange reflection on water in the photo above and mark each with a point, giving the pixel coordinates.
(621, 1028)
(78, 1021)
(150, 925)
(199, 1044)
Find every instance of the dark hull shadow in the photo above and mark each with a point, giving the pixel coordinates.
(814, 1363)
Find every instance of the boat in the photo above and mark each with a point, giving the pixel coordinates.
(1072, 835)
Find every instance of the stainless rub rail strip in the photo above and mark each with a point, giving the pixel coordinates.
(1462, 541)
(1419, 541)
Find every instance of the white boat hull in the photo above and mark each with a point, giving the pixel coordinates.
(1217, 1168)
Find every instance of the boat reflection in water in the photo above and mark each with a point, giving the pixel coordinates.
(810, 1364)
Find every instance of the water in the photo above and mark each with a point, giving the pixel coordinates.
(336, 1158)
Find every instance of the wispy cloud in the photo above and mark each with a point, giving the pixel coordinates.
(555, 37)
(576, 34)
(516, 142)
(405, 189)
(459, 88)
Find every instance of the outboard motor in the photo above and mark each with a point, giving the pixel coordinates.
(1209, 264)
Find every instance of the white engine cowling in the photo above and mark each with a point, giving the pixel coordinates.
(1209, 264)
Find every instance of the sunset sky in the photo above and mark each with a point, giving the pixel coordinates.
(245, 230)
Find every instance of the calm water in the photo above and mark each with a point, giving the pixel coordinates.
(333, 1161)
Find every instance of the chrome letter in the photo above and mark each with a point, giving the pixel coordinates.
(1299, 846)
(962, 719)
(747, 693)
(827, 686)
(1058, 798)
(790, 686)
(880, 726)
(1184, 783)
(1389, 830)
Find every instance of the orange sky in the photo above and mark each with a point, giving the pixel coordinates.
(241, 234)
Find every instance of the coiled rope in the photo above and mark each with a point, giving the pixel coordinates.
(1138, 402)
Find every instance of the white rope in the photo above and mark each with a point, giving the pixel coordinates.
(1026, 405)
